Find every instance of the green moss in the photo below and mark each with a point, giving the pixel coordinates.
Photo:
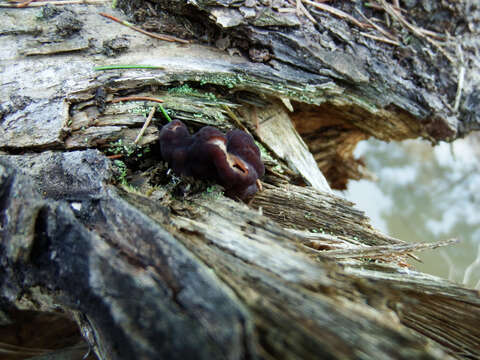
(127, 150)
(214, 191)
(185, 90)
(118, 147)
(211, 96)
(265, 155)
(263, 152)
(202, 110)
(309, 94)
(140, 110)
(278, 168)
(228, 80)
(121, 172)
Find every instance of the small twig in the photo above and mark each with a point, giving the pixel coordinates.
(156, 36)
(377, 27)
(165, 113)
(135, 98)
(337, 12)
(119, 67)
(145, 125)
(286, 10)
(433, 34)
(24, 4)
(387, 19)
(234, 118)
(277, 174)
(152, 10)
(305, 12)
(379, 7)
(114, 157)
(386, 250)
(461, 79)
(379, 38)
(389, 9)
(297, 8)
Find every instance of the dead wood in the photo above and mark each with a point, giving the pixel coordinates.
(151, 266)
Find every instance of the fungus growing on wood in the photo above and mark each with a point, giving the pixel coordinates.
(232, 160)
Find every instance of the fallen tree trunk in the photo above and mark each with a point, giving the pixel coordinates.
(150, 266)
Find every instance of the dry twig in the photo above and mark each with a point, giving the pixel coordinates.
(302, 9)
(145, 125)
(380, 38)
(115, 156)
(395, 14)
(156, 36)
(378, 28)
(336, 12)
(24, 3)
(136, 98)
(385, 250)
(234, 118)
(461, 79)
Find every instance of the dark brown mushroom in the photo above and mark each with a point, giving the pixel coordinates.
(232, 160)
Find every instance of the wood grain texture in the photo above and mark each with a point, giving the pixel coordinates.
(166, 267)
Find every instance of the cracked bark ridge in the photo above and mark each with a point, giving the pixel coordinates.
(109, 259)
(413, 78)
(140, 294)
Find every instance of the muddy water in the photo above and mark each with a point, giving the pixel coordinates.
(426, 194)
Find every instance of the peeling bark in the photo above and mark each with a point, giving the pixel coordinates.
(150, 266)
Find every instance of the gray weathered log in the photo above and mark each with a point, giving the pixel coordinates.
(141, 293)
(343, 86)
(158, 269)
(145, 294)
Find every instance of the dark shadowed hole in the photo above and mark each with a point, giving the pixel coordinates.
(41, 336)
(41, 241)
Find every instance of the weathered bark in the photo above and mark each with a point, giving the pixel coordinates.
(168, 268)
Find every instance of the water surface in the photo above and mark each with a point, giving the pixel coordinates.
(426, 194)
